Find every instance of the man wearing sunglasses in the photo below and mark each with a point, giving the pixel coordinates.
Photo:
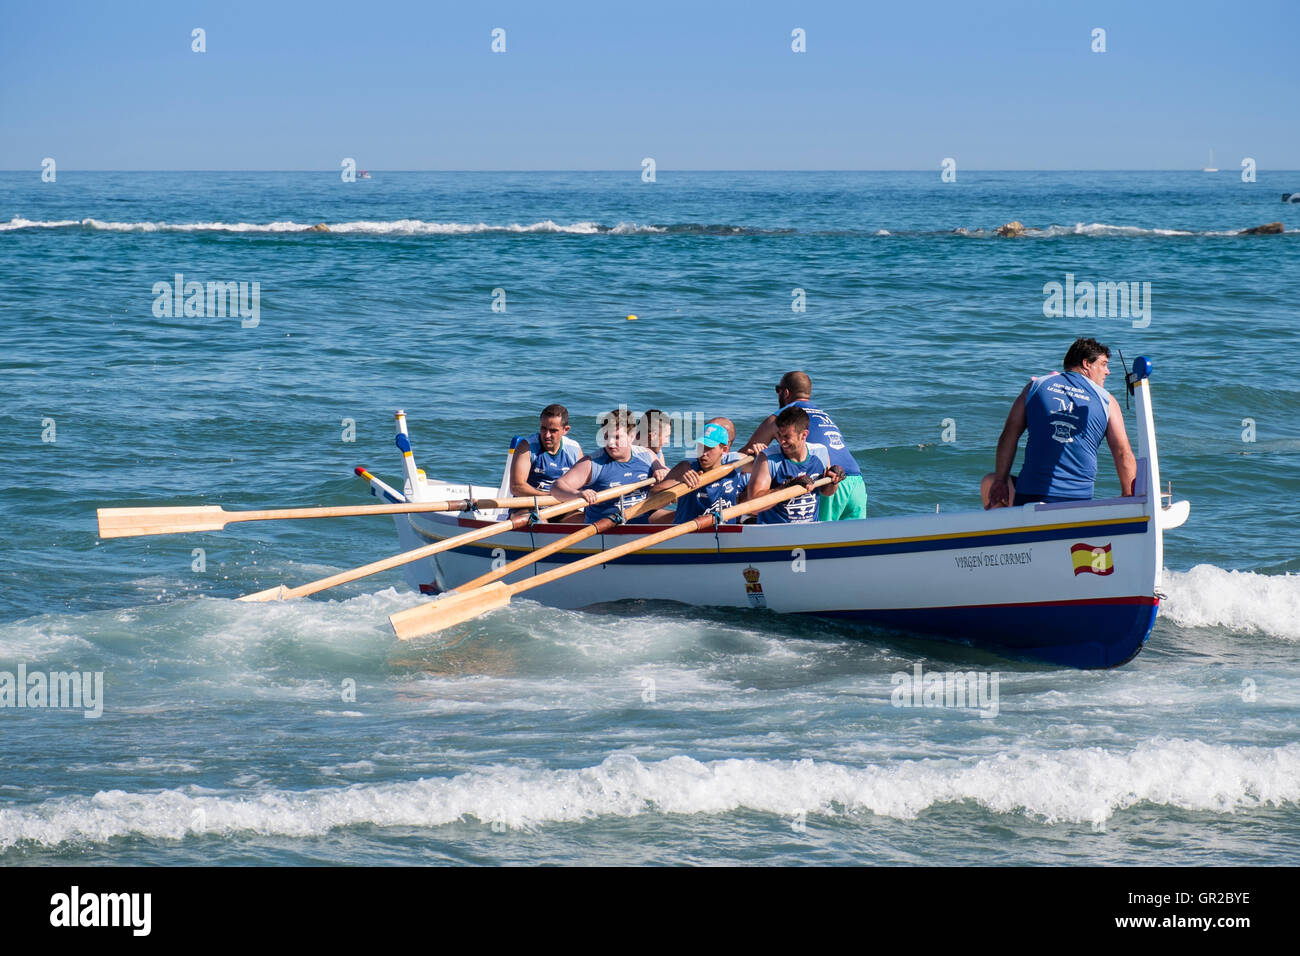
(850, 497)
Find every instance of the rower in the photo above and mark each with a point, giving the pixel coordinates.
(1067, 415)
(798, 461)
(618, 463)
(654, 430)
(795, 391)
(712, 449)
(547, 455)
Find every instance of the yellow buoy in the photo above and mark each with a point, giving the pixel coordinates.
(631, 318)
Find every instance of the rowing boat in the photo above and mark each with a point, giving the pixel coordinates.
(1074, 584)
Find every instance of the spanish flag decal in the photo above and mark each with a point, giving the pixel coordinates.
(1092, 559)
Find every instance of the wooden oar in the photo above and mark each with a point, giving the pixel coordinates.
(132, 522)
(281, 593)
(457, 608)
(649, 505)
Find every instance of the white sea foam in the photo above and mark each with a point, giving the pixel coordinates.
(400, 227)
(420, 227)
(1083, 785)
(1208, 596)
(1107, 229)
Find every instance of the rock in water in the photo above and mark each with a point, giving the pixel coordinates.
(1011, 229)
(1268, 229)
(319, 227)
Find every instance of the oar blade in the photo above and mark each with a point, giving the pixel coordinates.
(448, 611)
(134, 522)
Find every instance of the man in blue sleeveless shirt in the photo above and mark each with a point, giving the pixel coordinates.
(1067, 414)
(713, 449)
(543, 458)
(619, 463)
(799, 460)
(850, 497)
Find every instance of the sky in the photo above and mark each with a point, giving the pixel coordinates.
(702, 85)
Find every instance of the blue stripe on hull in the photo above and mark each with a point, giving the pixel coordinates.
(871, 549)
(1086, 636)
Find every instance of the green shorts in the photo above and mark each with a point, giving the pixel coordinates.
(849, 501)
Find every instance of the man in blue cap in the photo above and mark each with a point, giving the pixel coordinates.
(712, 449)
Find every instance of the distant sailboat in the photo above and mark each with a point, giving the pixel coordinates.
(1210, 168)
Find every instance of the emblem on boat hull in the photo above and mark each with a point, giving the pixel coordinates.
(753, 590)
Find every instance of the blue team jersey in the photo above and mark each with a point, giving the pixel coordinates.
(608, 473)
(823, 431)
(781, 469)
(1067, 414)
(714, 496)
(545, 468)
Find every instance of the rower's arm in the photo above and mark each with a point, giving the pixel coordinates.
(762, 436)
(519, 465)
(1120, 450)
(673, 477)
(759, 479)
(569, 485)
(1011, 431)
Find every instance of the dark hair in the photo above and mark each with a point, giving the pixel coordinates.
(649, 424)
(1084, 350)
(794, 415)
(618, 418)
(556, 411)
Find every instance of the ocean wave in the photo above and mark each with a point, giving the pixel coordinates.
(1208, 596)
(1083, 785)
(420, 227)
(398, 227)
(1106, 229)
(1096, 230)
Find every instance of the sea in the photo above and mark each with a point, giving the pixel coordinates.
(210, 731)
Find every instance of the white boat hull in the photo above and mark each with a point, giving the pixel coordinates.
(1074, 584)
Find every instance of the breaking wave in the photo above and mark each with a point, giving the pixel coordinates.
(398, 227)
(1208, 596)
(1086, 785)
(420, 227)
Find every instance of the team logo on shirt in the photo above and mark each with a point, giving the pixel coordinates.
(1063, 432)
(803, 508)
